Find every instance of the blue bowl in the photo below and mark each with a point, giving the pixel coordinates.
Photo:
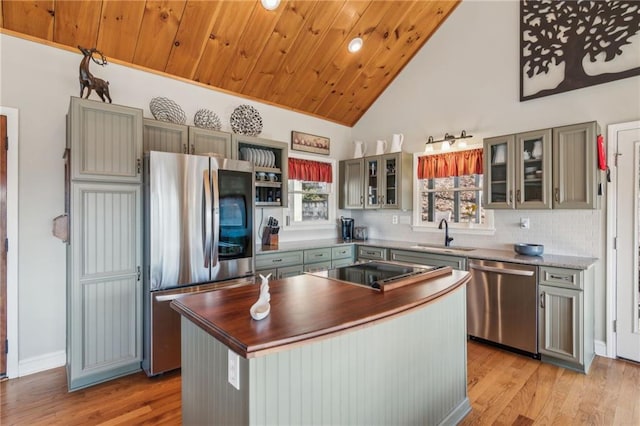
(529, 249)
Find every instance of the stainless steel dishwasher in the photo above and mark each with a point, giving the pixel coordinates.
(502, 304)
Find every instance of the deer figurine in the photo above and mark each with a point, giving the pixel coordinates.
(88, 80)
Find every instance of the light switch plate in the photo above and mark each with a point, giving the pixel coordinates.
(524, 223)
(234, 369)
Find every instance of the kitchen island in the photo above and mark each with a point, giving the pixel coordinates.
(329, 353)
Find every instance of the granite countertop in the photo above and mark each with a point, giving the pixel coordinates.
(555, 260)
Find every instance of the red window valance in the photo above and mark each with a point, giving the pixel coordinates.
(311, 171)
(450, 164)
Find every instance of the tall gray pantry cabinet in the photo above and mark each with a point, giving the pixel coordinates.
(104, 255)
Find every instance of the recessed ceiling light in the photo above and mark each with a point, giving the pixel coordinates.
(355, 45)
(270, 4)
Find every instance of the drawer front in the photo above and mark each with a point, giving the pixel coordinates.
(277, 260)
(265, 272)
(456, 262)
(343, 252)
(290, 271)
(315, 267)
(561, 277)
(372, 253)
(317, 255)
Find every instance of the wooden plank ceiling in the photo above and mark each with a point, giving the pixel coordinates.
(295, 56)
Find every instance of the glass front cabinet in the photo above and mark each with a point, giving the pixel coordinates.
(383, 183)
(518, 171)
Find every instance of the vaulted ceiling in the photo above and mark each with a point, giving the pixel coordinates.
(295, 56)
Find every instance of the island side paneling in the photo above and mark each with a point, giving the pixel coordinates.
(410, 369)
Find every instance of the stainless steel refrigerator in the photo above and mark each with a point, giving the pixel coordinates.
(199, 236)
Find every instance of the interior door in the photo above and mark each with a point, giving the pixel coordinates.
(628, 228)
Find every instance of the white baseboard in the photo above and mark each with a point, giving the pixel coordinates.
(41, 363)
(601, 348)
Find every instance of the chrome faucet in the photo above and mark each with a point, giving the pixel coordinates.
(447, 238)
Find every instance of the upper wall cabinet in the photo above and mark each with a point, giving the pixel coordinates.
(575, 173)
(105, 141)
(170, 137)
(376, 182)
(549, 168)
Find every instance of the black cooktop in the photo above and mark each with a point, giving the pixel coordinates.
(373, 274)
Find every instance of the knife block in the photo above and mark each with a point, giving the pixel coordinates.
(269, 239)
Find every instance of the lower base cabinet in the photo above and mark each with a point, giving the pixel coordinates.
(288, 264)
(566, 318)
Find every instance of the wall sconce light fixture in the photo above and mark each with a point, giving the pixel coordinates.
(447, 141)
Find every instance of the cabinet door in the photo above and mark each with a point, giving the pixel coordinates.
(560, 325)
(371, 253)
(106, 141)
(499, 172)
(574, 166)
(165, 137)
(104, 287)
(205, 141)
(533, 170)
(373, 182)
(391, 182)
(352, 184)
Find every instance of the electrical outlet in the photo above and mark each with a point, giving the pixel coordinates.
(234, 369)
(394, 219)
(524, 222)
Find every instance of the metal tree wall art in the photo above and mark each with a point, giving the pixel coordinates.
(566, 45)
(88, 80)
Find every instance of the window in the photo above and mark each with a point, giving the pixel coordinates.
(456, 198)
(311, 199)
(449, 186)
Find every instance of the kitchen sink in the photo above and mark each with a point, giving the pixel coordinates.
(442, 247)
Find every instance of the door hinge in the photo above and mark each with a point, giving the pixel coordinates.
(139, 165)
(6, 143)
(6, 245)
(615, 326)
(139, 273)
(615, 243)
(6, 346)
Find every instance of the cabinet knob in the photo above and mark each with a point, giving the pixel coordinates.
(519, 196)
(557, 195)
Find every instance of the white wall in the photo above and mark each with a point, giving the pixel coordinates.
(466, 77)
(38, 81)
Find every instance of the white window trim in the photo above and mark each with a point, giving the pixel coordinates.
(321, 225)
(487, 228)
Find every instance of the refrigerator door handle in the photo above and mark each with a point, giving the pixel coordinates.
(216, 217)
(206, 218)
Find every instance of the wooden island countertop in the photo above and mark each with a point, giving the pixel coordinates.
(304, 308)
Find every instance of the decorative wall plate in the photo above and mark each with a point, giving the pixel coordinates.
(246, 120)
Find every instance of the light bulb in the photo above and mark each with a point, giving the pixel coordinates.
(270, 4)
(355, 44)
(445, 146)
(428, 148)
(462, 144)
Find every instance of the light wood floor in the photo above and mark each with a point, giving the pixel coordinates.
(504, 388)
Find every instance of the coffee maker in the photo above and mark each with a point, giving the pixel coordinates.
(347, 228)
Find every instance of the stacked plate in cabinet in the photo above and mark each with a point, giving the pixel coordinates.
(259, 157)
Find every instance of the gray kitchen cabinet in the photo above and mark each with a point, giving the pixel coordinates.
(104, 255)
(351, 178)
(171, 137)
(105, 141)
(566, 318)
(575, 172)
(249, 148)
(517, 171)
(291, 263)
(207, 141)
(377, 182)
(431, 259)
(165, 137)
(543, 169)
(104, 304)
(290, 271)
(371, 253)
